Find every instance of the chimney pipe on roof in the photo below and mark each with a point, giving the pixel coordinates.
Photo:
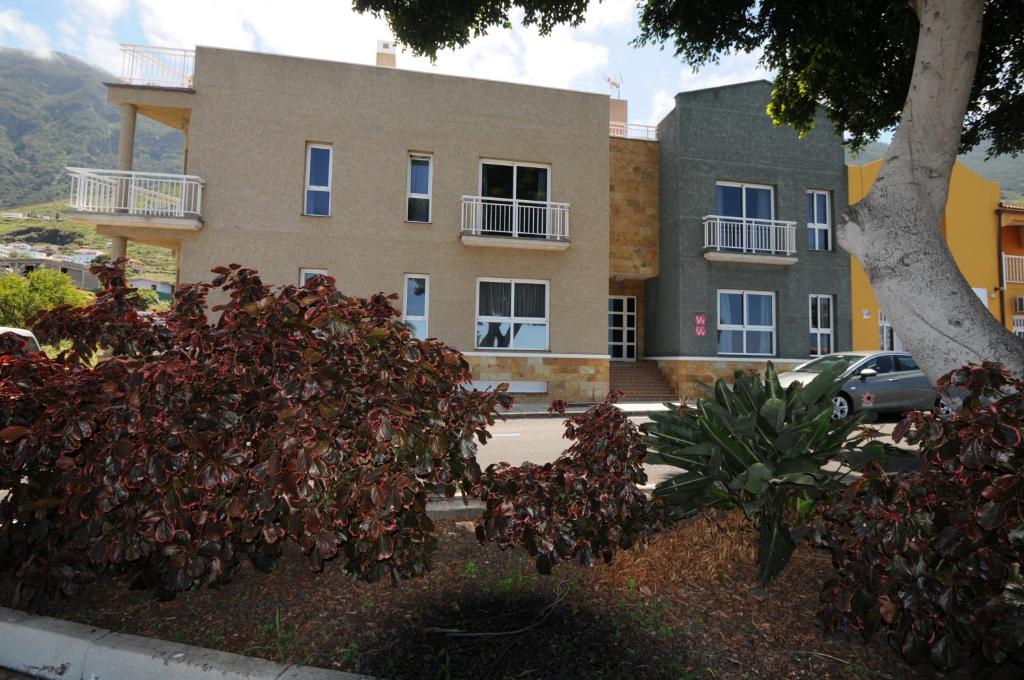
(386, 53)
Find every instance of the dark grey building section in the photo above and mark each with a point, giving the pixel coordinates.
(724, 134)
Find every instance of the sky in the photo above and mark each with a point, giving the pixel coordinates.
(581, 58)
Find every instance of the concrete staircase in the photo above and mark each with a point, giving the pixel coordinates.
(641, 381)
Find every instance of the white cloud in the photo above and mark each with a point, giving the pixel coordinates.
(609, 14)
(330, 29)
(14, 30)
(87, 29)
(732, 69)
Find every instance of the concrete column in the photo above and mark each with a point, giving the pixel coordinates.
(125, 153)
(126, 142)
(118, 247)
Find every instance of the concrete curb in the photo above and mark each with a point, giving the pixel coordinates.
(632, 409)
(55, 649)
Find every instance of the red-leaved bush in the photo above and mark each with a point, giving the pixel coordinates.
(298, 414)
(584, 505)
(934, 556)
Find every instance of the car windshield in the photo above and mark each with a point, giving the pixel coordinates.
(819, 365)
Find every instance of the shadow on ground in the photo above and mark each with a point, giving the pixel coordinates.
(526, 634)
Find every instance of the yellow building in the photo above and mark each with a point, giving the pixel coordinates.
(971, 227)
(1011, 223)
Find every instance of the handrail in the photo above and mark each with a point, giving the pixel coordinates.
(1013, 268)
(152, 194)
(749, 235)
(515, 218)
(157, 66)
(633, 131)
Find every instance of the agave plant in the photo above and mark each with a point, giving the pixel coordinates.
(763, 449)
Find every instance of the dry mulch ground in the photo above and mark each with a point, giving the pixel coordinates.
(685, 608)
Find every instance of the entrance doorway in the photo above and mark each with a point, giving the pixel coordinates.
(622, 327)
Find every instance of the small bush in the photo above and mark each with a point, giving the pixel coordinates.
(759, 448)
(934, 557)
(300, 414)
(585, 505)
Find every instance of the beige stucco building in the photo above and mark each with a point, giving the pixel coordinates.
(484, 204)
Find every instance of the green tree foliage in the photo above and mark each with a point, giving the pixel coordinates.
(22, 297)
(851, 57)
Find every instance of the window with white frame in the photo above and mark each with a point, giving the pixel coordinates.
(416, 303)
(512, 314)
(318, 180)
(819, 220)
(821, 325)
(421, 179)
(306, 274)
(748, 201)
(746, 322)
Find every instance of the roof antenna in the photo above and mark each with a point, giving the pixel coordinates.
(615, 84)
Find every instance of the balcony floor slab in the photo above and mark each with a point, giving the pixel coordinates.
(513, 242)
(750, 258)
(140, 221)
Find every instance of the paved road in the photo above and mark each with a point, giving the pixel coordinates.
(540, 440)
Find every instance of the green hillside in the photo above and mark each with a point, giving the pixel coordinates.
(64, 236)
(54, 113)
(1006, 170)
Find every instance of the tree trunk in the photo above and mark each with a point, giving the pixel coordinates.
(895, 231)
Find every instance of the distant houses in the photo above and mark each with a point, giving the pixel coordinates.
(25, 264)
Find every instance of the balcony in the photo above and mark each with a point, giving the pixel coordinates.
(739, 239)
(631, 131)
(1013, 269)
(136, 199)
(514, 223)
(157, 66)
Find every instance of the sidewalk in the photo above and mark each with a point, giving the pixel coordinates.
(540, 410)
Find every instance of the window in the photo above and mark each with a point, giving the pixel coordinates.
(512, 314)
(318, 180)
(881, 364)
(415, 303)
(819, 221)
(906, 363)
(306, 274)
(888, 341)
(746, 322)
(420, 184)
(515, 197)
(749, 201)
(821, 325)
(1018, 326)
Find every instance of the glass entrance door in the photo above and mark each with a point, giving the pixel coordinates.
(622, 327)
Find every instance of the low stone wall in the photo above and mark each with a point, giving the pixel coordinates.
(689, 377)
(576, 380)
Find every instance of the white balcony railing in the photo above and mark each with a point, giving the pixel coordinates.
(148, 194)
(1013, 268)
(157, 66)
(633, 131)
(515, 218)
(743, 235)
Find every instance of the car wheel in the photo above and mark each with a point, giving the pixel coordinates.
(842, 407)
(945, 407)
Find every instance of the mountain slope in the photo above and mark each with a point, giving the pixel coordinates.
(54, 113)
(1006, 170)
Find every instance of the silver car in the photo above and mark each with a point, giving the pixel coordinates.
(28, 337)
(886, 382)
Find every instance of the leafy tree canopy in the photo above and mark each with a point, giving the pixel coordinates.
(21, 297)
(854, 58)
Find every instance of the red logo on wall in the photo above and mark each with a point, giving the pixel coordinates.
(700, 324)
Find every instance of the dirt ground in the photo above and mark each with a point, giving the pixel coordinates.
(685, 608)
